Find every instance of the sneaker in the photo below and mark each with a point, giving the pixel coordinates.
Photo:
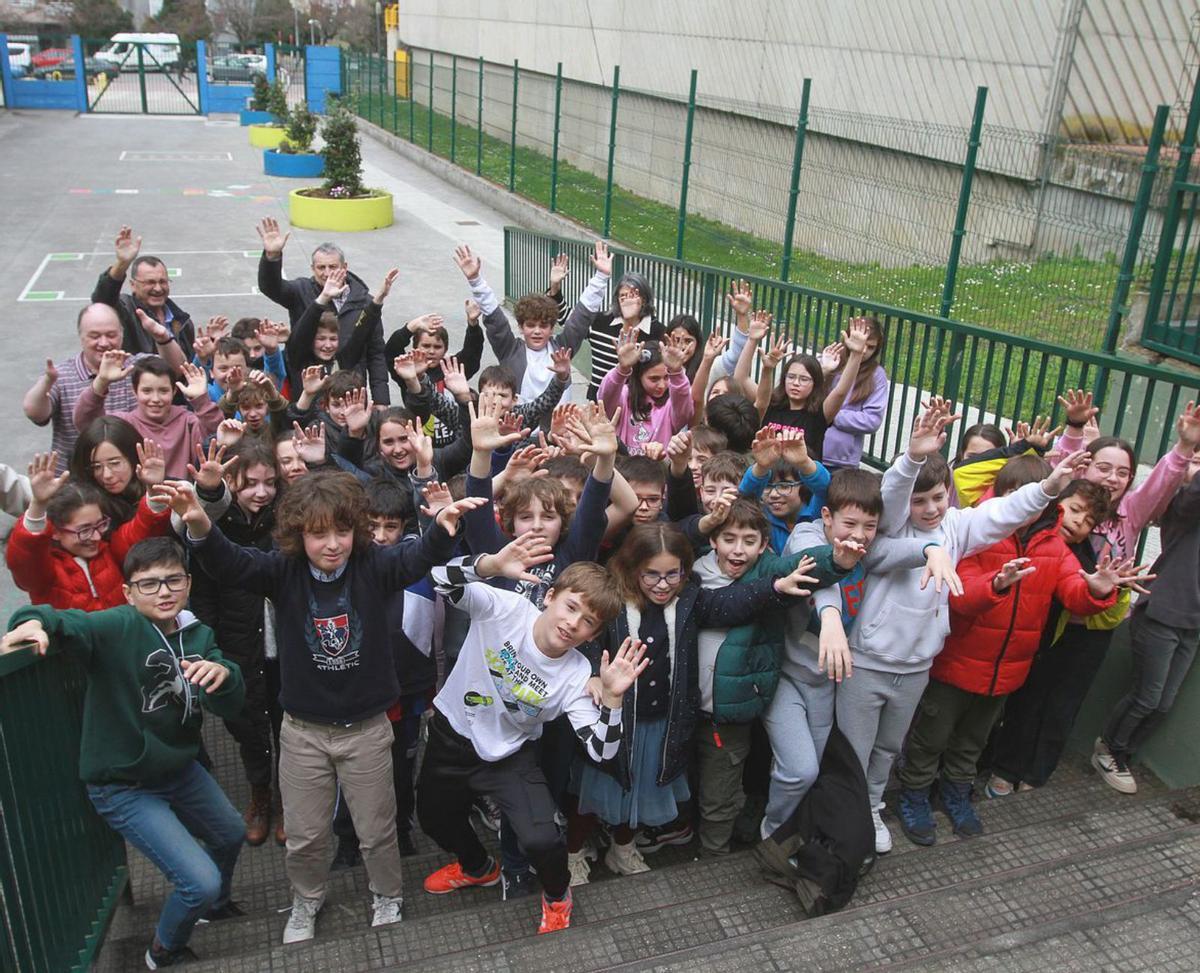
(625, 860)
(489, 814)
(452, 877)
(302, 923)
(956, 801)
(1100, 748)
(649, 840)
(408, 847)
(555, 915)
(997, 786)
(158, 956)
(883, 837)
(517, 885)
(580, 866)
(916, 817)
(230, 910)
(385, 909)
(1115, 771)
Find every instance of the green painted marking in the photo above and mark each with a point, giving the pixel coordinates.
(42, 296)
(174, 271)
(66, 256)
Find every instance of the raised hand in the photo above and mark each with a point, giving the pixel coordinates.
(184, 503)
(799, 583)
(51, 374)
(510, 422)
(152, 463)
(939, 568)
(235, 378)
(760, 325)
(195, 382)
(334, 285)
(1187, 427)
(230, 432)
(766, 448)
(673, 356)
(468, 263)
(514, 560)
(211, 467)
(558, 272)
(271, 333)
(405, 367)
(847, 553)
(437, 498)
(425, 322)
(43, 483)
(28, 635)
(158, 332)
(486, 434)
(526, 462)
(831, 357)
(358, 412)
(601, 258)
(1039, 433)
(718, 512)
(455, 379)
(1078, 406)
(208, 674)
(653, 450)
(1113, 572)
(273, 240)
(592, 427)
(621, 671)
(314, 381)
(679, 452)
(929, 431)
(386, 287)
(114, 366)
(793, 448)
(740, 298)
(309, 443)
(560, 363)
(560, 433)
(422, 447)
(1069, 467)
(856, 338)
(629, 350)
(776, 352)
(1011, 572)
(448, 517)
(126, 247)
(474, 312)
(715, 346)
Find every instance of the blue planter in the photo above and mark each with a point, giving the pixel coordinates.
(306, 165)
(248, 117)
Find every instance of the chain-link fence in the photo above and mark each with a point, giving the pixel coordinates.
(870, 206)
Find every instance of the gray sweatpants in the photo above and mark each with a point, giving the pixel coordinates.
(798, 722)
(874, 711)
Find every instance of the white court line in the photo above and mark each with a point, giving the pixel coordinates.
(253, 293)
(105, 253)
(36, 274)
(108, 253)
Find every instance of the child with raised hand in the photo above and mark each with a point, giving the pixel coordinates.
(519, 669)
(151, 670)
(330, 587)
(324, 399)
(111, 456)
(975, 469)
(61, 552)
(791, 484)
(995, 626)
(264, 341)
(651, 389)
(863, 410)
(253, 398)
(664, 608)
(176, 429)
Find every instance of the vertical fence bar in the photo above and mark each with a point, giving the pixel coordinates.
(453, 107)
(512, 145)
(612, 149)
(557, 126)
(431, 101)
(412, 98)
(370, 87)
(142, 76)
(789, 230)
(964, 199)
(479, 124)
(687, 165)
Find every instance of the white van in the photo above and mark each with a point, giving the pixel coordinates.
(161, 51)
(19, 55)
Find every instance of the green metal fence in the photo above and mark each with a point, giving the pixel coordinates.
(140, 78)
(61, 867)
(999, 228)
(993, 377)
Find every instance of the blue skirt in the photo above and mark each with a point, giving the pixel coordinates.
(647, 804)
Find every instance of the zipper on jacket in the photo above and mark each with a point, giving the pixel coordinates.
(1012, 621)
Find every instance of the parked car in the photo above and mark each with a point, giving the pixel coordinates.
(50, 57)
(66, 69)
(238, 67)
(160, 52)
(19, 55)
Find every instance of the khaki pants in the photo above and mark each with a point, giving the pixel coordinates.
(720, 770)
(314, 759)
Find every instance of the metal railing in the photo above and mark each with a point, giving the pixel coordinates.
(992, 377)
(61, 867)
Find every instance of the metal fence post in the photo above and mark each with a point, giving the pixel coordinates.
(142, 76)
(479, 124)
(687, 164)
(412, 98)
(557, 127)
(431, 101)
(453, 107)
(370, 88)
(612, 149)
(512, 145)
(964, 199)
(789, 230)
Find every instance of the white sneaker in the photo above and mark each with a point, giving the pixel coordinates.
(625, 860)
(883, 837)
(1115, 772)
(302, 923)
(386, 910)
(1100, 748)
(997, 786)
(581, 868)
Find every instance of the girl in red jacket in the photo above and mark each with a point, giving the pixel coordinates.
(59, 551)
(995, 627)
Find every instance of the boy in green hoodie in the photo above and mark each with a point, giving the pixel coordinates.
(139, 761)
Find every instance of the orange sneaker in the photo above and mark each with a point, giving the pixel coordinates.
(452, 877)
(555, 915)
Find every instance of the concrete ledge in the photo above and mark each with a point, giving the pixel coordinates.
(519, 210)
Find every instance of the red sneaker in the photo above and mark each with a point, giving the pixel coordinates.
(452, 877)
(555, 915)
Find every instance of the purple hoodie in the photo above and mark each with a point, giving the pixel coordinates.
(844, 437)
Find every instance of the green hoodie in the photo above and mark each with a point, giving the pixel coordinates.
(141, 718)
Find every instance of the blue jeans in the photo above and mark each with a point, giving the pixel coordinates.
(167, 824)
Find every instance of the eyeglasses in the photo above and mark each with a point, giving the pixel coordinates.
(650, 501)
(653, 579)
(781, 486)
(152, 586)
(113, 466)
(88, 531)
(1105, 470)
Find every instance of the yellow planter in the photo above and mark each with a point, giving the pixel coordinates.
(318, 213)
(266, 136)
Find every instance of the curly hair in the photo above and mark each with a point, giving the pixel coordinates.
(330, 499)
(550, 492)
(536, 309)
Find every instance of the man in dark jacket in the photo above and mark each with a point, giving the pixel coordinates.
(297, 294)
(163, 328)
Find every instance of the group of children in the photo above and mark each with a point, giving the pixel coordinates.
(593, 611)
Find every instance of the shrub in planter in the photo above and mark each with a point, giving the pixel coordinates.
(277, 102)
(257, 113)
(299, 131)
(294, 157)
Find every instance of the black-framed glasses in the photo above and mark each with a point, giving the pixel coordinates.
(654, 579)
(152, 586)
(781, 486)
(88, 531)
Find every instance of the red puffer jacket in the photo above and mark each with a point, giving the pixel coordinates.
(993, 637)
(53, 577)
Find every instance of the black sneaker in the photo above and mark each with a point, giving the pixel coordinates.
(517, 885)
(230, 910)
(347, 855)
(158, 956)
(649, 840)
(408, 847)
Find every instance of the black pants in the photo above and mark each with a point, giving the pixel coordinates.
(1039, 716)
(452, 775)
(555, 749)
(251, 728)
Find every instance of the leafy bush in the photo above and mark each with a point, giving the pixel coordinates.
(343, 160)
(277, 102)
(301, 127)
(262, 94)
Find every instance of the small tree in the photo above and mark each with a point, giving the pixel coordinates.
(277, 102)
(343, 160)
(262, 94)
(301, 127)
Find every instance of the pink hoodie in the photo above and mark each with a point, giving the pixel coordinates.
(664, 420)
